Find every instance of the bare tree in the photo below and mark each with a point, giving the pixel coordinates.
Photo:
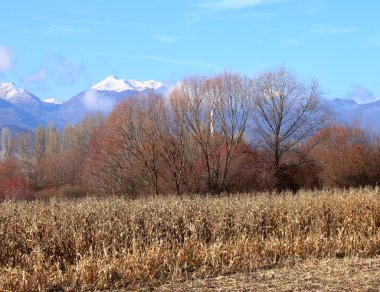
(52, 140)
(347, 157)
(7, 143)
(216, 113)
(136, 129)
(40, 143)
(74, 147)
(287, 112)
(196, 114)
(232, 97)
(85, 129)
(24, 147)
(104, 169)
(180, 151)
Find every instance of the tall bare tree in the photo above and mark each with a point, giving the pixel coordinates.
(7, 143)
(287, 112)
(24, 147)
(40, 142)
(136, 130)
(216, 113)
(231, 96)
(52, 140)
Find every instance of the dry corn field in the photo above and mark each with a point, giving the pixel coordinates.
(134, 244)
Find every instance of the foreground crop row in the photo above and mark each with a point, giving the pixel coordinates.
(115, 243)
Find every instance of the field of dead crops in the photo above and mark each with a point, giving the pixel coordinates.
(132, 244)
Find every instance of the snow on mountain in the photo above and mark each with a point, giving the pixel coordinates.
(103, 96)
(143, 85)
(13, 94)
(112, 83)
(51, 101)
(20, 108)
(28, 112)
(20, 97)
(10, 90)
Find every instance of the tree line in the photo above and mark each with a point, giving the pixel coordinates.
(224, 133)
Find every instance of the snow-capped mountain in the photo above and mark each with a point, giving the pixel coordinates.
(112, 83)
(19, 97)
(22, 110)
(18, 107)
(22, 98)
(11, 93)
(103, 96)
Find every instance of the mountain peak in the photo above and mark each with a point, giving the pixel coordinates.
(112, 83)
(19, 96)
(10, 86)
(142, 85)
(112, 77)
(9, 91)
(7, 84)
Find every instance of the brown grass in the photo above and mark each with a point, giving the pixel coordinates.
(114, 243)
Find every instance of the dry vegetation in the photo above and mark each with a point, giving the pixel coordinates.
(348, 274)
(226, 133)
(114, 243)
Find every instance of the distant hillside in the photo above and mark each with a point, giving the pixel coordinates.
(20, 109)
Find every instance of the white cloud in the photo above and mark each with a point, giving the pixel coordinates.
(95, 102)
(37, 77)
(331, 30)
(360, 94)
(6, 60)
(58, 69)
(65, 71)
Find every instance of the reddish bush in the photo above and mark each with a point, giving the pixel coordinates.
(13, 185)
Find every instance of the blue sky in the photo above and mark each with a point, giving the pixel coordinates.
(59, 48)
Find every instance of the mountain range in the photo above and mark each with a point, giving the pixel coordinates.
(21, 110)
